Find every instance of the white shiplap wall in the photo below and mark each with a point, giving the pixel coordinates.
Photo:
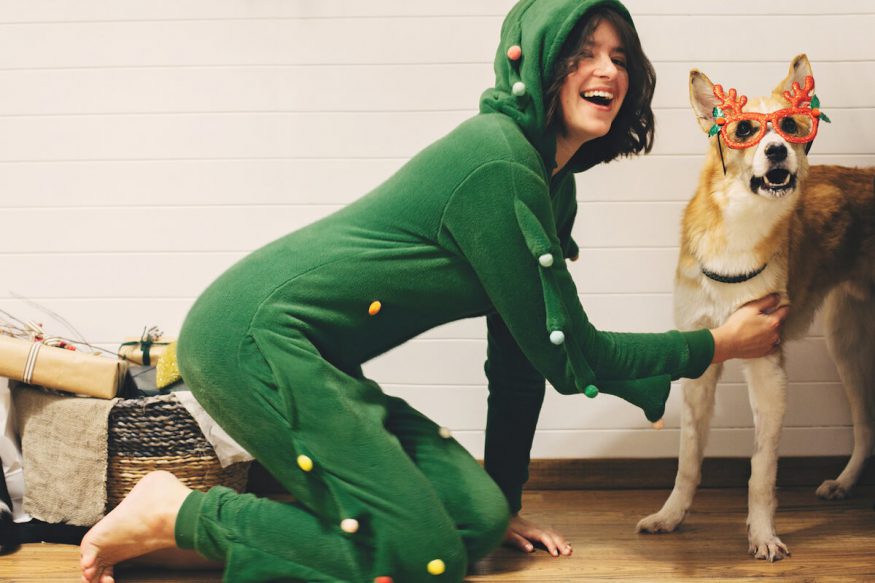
(145, 146)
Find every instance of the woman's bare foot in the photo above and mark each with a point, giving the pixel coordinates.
(143, 523)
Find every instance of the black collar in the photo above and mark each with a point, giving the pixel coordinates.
(733, 278)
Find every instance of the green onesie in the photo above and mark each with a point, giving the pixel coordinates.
(473, 225)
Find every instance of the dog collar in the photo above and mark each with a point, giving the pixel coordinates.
(733, 278)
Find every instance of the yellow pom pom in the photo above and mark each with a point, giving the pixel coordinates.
(436, 567)
(305, 463)
(167, 371)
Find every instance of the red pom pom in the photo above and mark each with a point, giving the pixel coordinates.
(514, 53)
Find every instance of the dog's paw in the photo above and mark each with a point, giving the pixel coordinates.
(659, 522)
(769, 549)
(833, 490)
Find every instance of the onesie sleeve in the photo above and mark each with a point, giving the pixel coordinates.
(501, 221)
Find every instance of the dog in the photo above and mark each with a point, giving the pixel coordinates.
(763, 221)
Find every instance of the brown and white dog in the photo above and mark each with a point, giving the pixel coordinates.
(770, 223)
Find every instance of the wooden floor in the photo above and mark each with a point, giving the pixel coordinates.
(831, 542)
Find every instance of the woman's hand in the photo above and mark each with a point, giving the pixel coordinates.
(522, 534)
(754, 330)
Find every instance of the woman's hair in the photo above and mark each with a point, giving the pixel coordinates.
(632, 129)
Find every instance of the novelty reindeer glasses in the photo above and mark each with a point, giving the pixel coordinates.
(742, 129)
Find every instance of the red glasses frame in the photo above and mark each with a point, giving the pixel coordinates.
(802, 102)
(764, 119)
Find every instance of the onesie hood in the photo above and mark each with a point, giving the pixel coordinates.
(539, 29)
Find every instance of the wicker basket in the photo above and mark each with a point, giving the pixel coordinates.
(158, 433)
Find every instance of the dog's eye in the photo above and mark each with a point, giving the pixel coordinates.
(743, 129)
(788, 125)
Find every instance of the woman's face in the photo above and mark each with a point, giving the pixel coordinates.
(592, 94)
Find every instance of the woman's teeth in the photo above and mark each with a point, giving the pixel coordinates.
(598, 97)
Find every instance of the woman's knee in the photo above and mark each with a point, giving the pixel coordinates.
(488, 519)
(418, 555)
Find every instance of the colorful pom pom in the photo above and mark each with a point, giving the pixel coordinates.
(518, 89)
(591, 391)
(436, 567)
(305, 463)
(375, 307)
(546, 260)
(514, 53)
(557, 337)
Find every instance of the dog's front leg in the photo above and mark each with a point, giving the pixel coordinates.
(695, 420)
(767, 386)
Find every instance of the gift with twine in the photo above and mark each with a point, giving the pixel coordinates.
(72, 371)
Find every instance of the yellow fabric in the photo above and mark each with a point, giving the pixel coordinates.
(167, 371)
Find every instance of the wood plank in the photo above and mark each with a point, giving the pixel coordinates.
(286, 181)
(655, 473)
(416, 87)
(109, 10)
(318, 135)
(204, 41)
(831, 542)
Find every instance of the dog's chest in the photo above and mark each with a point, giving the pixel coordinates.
(709, 303)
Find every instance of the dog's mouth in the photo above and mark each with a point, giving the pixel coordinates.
(776, 182)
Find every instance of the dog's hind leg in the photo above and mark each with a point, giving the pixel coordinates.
(767, 387)
(695, 420)
(850, 311)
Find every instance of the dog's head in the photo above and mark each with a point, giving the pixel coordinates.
(763, 142)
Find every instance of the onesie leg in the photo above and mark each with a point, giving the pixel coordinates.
(363, 508)
(470, 496)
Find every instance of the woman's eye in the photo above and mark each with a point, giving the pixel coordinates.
(743, 129)
(788, 125)
(620, 63)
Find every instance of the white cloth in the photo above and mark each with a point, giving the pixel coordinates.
(227, 450)
(10, 453)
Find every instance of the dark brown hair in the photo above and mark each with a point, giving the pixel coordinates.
(632, 129)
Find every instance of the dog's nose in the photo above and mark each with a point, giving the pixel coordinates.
(776, 152)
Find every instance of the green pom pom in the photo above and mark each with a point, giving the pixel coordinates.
(591, 391)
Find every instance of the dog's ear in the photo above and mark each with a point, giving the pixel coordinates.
(799, 69)
(702, 99)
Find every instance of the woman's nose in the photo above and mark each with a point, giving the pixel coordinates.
(605, 67)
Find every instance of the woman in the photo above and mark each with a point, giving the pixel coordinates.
(477, 224)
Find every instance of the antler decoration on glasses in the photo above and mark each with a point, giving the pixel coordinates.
(801, 100)
(800, 95)
(729, 103)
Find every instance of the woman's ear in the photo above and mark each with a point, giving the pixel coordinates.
(800, 68)
(702, 99)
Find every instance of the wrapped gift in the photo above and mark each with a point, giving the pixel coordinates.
(147, 349)
(61, 369)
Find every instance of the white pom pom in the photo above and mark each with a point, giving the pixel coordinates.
(518, 89)
(546, 260)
